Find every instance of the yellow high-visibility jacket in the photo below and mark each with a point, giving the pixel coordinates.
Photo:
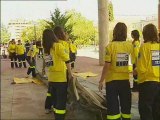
(117, 53)
(65, 44)
(148, 64)
(12, 48)
(73, 48)
(33, 51)
(136, 47)
(20, 49)
(57, 72)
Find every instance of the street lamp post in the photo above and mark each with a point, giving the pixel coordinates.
(35, 34)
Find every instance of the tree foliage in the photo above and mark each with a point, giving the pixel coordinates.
(110, 10)
(5, 35)
(59, 19)
(84, 31)
(80, 29)
(28, 34)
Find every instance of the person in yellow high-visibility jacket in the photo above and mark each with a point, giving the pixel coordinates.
(148, 70)
(136, 45)
(116, 75)
(20, 51)
(62, 37)
(56, 59)
(31, 58)
(73, 52)
(12, 53)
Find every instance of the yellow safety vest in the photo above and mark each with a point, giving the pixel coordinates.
(148, 64)
(117, 53)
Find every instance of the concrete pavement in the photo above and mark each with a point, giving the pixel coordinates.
(21, 101)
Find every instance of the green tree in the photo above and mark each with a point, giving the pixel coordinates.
(59, 19)
(110, 10)
(5, 35)
(83, 30)
(28, 33)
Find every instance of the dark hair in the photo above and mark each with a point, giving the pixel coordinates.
(120, 32)
(60, 33)
(150, 33)
(48, 39)
(135, 34)
(38, 43)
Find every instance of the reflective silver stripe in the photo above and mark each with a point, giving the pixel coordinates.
(12, 61)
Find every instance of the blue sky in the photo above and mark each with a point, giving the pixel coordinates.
(34, 10)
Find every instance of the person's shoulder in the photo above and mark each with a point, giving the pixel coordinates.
(57, 45)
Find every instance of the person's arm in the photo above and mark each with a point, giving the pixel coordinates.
(103, 75)
(142, 63)
(64, 55)
(106, 67)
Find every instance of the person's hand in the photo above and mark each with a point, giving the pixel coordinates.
(100, 87)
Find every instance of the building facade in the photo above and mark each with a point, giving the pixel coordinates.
(139, 25)
(16, 27)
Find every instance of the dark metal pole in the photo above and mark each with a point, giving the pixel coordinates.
(35, 35)
(159, 16)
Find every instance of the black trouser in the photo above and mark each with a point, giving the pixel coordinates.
(135, 84)
(21, 59)
(72, 59)
(118, 93)
(59, 99)
(13, 60)
(31, 69)
(148, 97)
(49, 98)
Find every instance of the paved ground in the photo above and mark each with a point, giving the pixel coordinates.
(20, 101)
(85, 64)
(26, 101)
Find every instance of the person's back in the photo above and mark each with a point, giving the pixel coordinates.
(119, 60)
(116, 75)
(148, 69)
(56, 59)
(57, 72)
(149, 62)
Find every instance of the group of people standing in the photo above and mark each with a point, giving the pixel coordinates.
(146, 70)
(145, 58)
(17, 51)
(22, 53)
(60, 55)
